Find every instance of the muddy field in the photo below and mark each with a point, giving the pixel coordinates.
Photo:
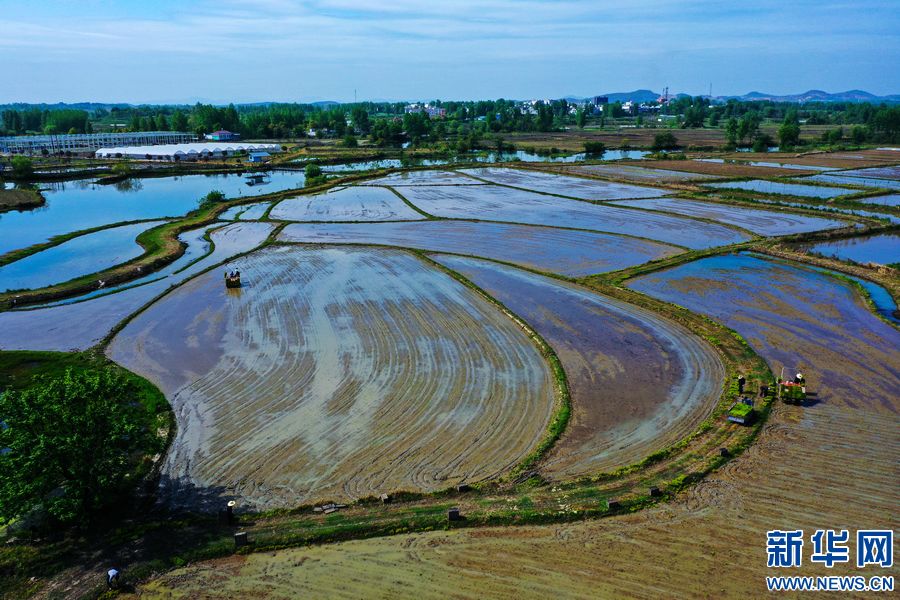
(638, 174)
(573, 187)
(803, 472)
(336, 374)
(721, 169)
(830, 464)
(851, 159)
(795, 317)
(497, 203)
(762, 222)
(563, 251)
(346, 204)
(638, 381)
(80, 325)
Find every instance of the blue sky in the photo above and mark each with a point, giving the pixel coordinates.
(291, 50)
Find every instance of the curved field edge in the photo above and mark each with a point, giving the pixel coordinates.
(161, 247)
(523, 500)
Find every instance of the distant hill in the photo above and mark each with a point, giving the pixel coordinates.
(818, 96)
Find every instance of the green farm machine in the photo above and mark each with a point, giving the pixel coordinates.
(792, 391)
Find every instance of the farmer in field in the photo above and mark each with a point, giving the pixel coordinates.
(112, 579)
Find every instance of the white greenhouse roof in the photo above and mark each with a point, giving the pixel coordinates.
(186, 149)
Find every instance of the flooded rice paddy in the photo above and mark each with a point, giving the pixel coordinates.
(563, 251)
(892, 172)
(497, 203)
(762, 222)
(638, 382)
(573, 187)
(80, 325)
(246, 212)
(886, 200)
(336, 373)
(76, 205)
(880, 249)
(424, 178)
(640, 174)
(785, 189)
(843, 178)
(75, 258)
(346, 204)
(196, 247)
(795, 317)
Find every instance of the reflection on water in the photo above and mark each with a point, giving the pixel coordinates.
(479, 157)
(881, 249)
(83, 204)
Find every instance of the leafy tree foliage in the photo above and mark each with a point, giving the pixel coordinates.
(665, 141)
(70, 445)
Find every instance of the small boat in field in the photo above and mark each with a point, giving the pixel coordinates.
(233, 279)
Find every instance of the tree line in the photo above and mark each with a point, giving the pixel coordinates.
(464, 123)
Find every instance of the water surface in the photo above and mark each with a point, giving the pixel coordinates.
(90, 253)
(786, 189)
(881, 249)
(76, 205)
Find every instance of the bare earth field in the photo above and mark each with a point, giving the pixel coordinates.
(497, 203)
(762, 222)
(830, 464)
(81, 325)
(638, 382)
(336, 374)
(346, 204)
(563, 251)
(837, 160)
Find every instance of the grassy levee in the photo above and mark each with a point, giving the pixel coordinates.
(20, 199)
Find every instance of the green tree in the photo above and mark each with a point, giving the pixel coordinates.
(72, 443)
(22, 166)
(179, 121)
(664, 141)
(788, 135)
(350, 141)
(581, 118)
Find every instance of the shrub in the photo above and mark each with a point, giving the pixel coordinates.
(595, 148)
(664, 141)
